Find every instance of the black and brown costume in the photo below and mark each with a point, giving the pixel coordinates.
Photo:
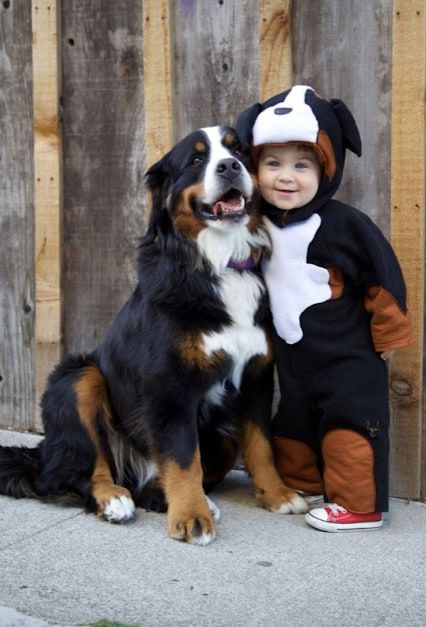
(338, 300)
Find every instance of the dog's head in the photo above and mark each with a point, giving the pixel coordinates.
(202, 183)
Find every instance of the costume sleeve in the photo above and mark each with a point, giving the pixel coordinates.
(374, 266)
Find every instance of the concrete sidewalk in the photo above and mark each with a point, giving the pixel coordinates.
(60, 566)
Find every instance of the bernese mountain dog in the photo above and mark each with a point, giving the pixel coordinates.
(182, 382)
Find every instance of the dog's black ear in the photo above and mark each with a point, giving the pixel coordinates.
(244, 125)
(158, 182)
(157, 175)
(349, 128)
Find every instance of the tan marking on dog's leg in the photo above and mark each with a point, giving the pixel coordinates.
(114, 502)
(189, 518)
(270, 491)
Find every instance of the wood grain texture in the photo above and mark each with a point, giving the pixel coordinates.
(103, 122)
(17, 393)
(215, 61)
(157, 79)
(276, 72)
(48, 189)
(408, 236)
(343, 49)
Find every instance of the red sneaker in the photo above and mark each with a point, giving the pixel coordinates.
(334, 517)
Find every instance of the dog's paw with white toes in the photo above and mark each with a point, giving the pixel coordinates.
(296, 505)
(119, 509)
(213, 508)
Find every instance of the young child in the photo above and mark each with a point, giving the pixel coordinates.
(338, 303)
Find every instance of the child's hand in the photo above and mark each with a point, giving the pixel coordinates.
(386, 355)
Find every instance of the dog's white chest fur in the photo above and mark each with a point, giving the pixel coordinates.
(241, 340)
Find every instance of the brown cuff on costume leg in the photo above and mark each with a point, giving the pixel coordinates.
(297, 465)
(349, 470)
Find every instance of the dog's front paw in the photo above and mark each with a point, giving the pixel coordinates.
(282, 501)
(117, 506)
(213, 508)
(296, 504)
(195, 528)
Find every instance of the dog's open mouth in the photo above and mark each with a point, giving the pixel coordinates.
(230, 206)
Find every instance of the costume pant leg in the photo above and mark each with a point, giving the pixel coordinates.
(295, 428)
(354, 436)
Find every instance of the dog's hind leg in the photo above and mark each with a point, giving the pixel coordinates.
(113, 502)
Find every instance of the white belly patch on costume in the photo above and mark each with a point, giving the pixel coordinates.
(293, 283)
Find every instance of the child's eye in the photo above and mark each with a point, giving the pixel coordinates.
(301, 165)
(273, 164)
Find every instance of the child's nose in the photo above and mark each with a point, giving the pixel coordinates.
(286, 173)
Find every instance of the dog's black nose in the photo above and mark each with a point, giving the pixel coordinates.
(229, 168)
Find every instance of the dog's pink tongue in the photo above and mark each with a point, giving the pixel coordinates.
(228, 206)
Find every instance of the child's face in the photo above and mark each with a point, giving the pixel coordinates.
(288, 176)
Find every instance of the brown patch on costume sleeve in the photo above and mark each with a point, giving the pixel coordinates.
(258, 457)
(349, 470)
(92, 401)
(390, 327)
(189, 518)
(336, 282)
(297, 465)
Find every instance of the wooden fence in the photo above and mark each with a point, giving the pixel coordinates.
(93, 91)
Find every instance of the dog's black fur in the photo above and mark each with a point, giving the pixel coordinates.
(155, 414)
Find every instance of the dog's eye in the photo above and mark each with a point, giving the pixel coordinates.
(197, 161)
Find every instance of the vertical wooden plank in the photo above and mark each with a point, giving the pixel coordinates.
(157, 79)
(275, 47)
(216, 61)
(47, 173)
(17, 393)
(343, 49)
(103, 144)
(408, 229)
(276, 71)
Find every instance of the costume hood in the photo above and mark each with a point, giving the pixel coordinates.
(301, 115)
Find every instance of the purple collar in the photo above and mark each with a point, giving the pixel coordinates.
(246, 264)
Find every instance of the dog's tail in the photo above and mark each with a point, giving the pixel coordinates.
(19, 471)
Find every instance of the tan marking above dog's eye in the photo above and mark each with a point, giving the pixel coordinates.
(229, 139)
(200, 147)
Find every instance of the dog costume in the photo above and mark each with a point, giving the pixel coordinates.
(338, 300)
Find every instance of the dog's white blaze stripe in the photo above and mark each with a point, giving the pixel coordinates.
(217, 153)
(240, 293)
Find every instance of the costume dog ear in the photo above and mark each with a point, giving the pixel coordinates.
(348, 126)
(244, 125)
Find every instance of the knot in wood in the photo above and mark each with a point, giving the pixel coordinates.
(401, 387)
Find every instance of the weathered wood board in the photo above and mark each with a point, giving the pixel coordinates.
(47, 189)
(103, 127)
(343, 49)
(408, 236)
(17, 374)
(215, 54)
